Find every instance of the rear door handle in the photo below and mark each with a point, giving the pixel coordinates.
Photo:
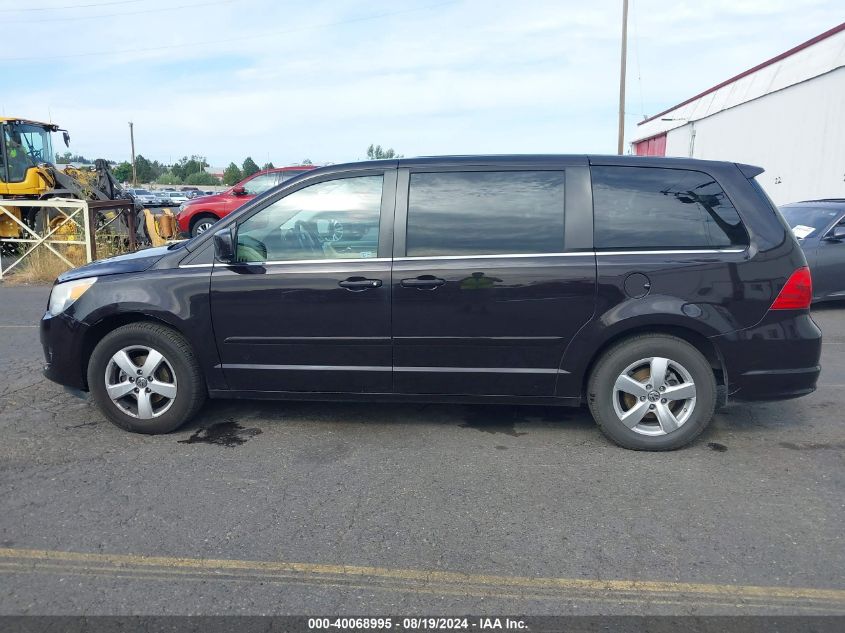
(423, 282)
(357, 284)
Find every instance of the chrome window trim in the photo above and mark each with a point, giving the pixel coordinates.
(294, 261)
(708, 251)
(701, 251)
(320, 261)
(509, 255)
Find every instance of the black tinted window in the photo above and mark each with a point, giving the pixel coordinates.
(648, 207)
(480, 213)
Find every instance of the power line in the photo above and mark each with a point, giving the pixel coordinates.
(232, 39)
(117, 15)
(70, 6)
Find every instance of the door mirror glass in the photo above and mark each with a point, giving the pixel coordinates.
(224, 245)
(837, 234)
(66, 138)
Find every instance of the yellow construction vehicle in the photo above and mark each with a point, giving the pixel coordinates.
(27, 172)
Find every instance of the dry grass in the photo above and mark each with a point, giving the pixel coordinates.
(43, 266)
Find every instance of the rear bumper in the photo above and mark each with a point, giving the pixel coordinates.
(777, 359)
(778, 384)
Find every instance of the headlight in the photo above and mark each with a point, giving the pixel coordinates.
(63, 295)
(182, 207)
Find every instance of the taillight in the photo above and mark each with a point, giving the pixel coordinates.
(797, 293)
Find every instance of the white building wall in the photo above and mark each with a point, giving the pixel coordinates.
(797, 134)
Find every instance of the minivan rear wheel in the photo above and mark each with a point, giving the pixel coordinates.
(652, 392)
(145, 378)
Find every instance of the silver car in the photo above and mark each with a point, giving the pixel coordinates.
(174, 197)
(144, 196)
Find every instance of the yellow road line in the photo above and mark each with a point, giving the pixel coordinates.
(439, 590)
(416, 580)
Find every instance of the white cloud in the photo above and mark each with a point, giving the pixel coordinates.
(324, 79)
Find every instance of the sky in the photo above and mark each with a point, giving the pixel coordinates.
(284, 81)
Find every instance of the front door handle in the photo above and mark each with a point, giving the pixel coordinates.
(423, 282)
(357, 284)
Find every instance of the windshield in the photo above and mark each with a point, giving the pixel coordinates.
(809, 221)
(26, 146)
(143, 192)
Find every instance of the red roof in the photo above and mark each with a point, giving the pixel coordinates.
(791, 51)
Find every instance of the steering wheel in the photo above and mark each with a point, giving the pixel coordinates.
(308, 240)
(251, 249)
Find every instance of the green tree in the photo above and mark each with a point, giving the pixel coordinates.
(169, 178)
(375, 152)
(185, 166)
(201, 178)
(249, 167)
(269, 166)
(232, 174)
(307, 161)
(123, 171)
(69, 157)
(144, 169)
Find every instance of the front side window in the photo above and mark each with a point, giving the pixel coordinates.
(259, 184)
(485, 213)
(26, 146)
(808, 221)
(656, 208)
(327, 220)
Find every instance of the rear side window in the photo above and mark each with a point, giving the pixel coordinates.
(655, 208)
(485, 213)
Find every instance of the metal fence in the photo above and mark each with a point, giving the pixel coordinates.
(70, 222)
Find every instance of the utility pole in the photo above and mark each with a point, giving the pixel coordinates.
(621, 143)
(132, 141)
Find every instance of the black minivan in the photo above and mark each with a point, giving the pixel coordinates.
(651, 289)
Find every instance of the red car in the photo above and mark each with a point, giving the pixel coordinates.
(197, 215)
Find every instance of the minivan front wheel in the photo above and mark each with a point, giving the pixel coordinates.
(144, 378)
(652, 392)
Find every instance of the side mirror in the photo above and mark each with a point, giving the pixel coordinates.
(239, 190)
(66, 137)
(224, 245)
(837, 234)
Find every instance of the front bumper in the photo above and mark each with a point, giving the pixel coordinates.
(62, 339)
(777, 359)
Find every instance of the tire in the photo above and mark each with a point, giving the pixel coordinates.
(165, 403)
(622, 387)
(202, 224)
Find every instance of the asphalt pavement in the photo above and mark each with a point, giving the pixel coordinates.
(321, 508)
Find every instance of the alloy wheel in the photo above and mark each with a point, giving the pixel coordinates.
(141, 382)
(654, 396)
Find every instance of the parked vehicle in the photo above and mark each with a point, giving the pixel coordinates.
(819, 226)
(650, 289)
(174, 197)
(162, 197)
(145, 197)
(197, 216)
